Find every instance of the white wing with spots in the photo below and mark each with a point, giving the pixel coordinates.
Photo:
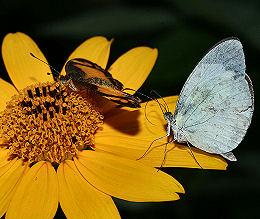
(216, 104)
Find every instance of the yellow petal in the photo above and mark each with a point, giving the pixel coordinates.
(4, 155)
(22, 68)
(177, 155)
(79, 199)
(127, 179)
(129, 133)
(37, 194)
(95, 49)
(133, 67)
(6, 92)
(10, 176)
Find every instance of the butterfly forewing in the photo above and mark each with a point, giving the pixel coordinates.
(215, 106)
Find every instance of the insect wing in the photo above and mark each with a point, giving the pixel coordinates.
(119, 97)
(84, 70)
(90, 76)
(215, 106)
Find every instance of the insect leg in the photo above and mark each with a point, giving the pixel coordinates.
(164, 156)
(72, 86)
(69, 83)
(193, 155)
(165, 151)
(168, 134)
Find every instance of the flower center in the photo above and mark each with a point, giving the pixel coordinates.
(46, 122)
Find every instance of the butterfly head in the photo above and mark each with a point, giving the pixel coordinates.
(168, 116)
(63, 79)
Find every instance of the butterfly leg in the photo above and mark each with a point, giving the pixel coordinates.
(168, 134)
(71, 85)
(68, 82)
(165, 151)
(164, 156)
(194, 155)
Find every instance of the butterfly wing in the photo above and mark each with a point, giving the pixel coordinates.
(117, 96)
(79, 69)
(215, 106)
(89, 75)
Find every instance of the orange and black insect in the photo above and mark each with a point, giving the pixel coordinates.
(84, 74)
(81, 73)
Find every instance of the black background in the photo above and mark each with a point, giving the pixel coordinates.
(183, 31)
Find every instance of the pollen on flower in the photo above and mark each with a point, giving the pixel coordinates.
(45, 122)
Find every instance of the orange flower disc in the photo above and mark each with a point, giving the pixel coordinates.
(44, 122)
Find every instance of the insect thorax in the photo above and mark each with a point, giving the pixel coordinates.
(177, 131)
(178, 134)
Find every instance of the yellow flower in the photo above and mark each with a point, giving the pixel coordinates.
(58, 147)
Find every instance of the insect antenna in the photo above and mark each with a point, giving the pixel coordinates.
(145, 113)
(163, 109)
(165, 104)
(155, 99)
(193, 155)
(55, 75)
(138, 93)
(150, 98)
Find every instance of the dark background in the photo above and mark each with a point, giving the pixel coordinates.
(183, 31)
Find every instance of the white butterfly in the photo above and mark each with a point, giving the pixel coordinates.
(216, 104)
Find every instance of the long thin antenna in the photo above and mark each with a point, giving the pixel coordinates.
(138, 93)
(160, 105)
(145, 104)
(155, 99)
(166, 108)
(58, 73)
(146, 113)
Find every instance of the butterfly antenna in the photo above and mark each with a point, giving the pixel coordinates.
(145, 104)
(166, 108)
(163, 109)
(193, 155)
(150, 97)
(48, 73)
(138, 93)
(161, 105)
(146, 113)
(58, 73)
